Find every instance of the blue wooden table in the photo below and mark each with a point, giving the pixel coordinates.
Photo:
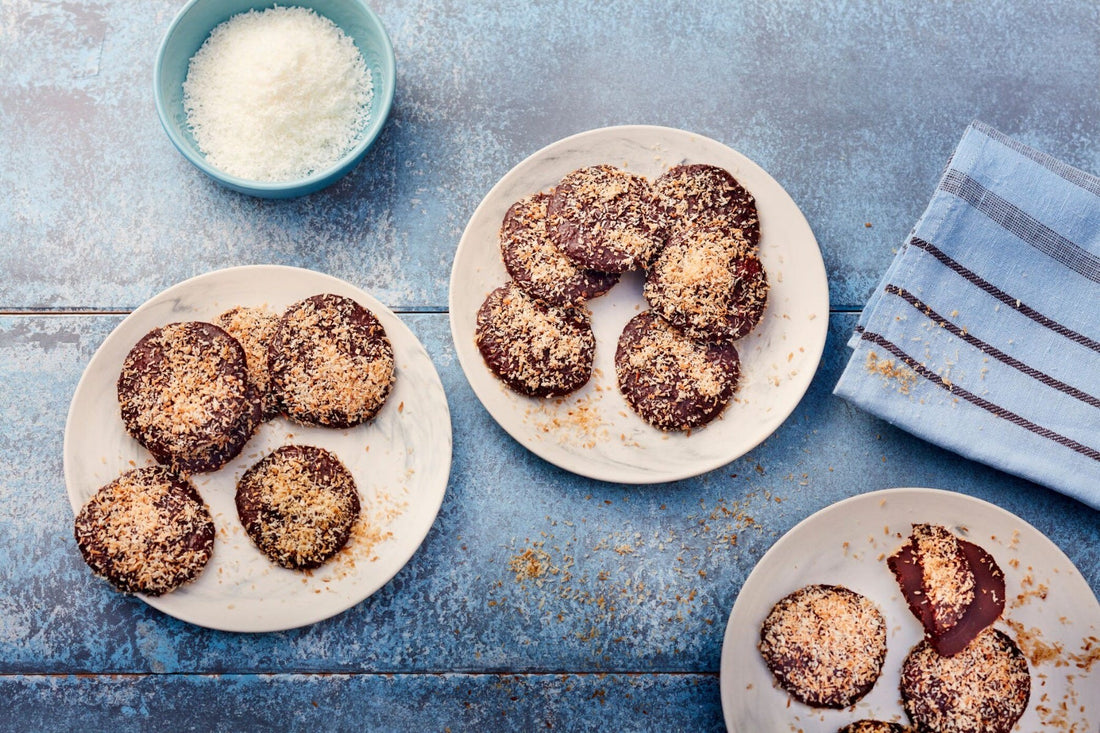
(853, 107)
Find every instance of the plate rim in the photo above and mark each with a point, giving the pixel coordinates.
(815, 349)
(730, 633)
(433, 507)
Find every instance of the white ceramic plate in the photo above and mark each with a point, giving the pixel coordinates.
(593, 432)
(847, 544)
(401, 461)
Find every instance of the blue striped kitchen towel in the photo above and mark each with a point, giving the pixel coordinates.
(984, 335)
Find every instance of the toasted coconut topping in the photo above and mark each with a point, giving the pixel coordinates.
(536, 349)
(298, 505)
(825, 644)
(332, 363)
(147, 531)
(604, 218)
(709, 283)
(983, 689)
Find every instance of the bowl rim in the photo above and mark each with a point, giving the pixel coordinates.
(381, 103)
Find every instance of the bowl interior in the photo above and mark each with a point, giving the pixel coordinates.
(192, 27)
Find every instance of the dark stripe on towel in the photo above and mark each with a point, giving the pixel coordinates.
(977, 401)
(991, 350)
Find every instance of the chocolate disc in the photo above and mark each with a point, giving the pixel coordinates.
(954, 587)
(700, 195)
(672, 381)
(538, 266)
(254, 329)
(536, 349)
(148, 531)
(604, 219)
(825, 645)
(983, 689)
(298, 505)
(331, 362)
(185, 395)
(708, 283)
(875, 726)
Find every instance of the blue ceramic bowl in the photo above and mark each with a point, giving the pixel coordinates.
(192, 27)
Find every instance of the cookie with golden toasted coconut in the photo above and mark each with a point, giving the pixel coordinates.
(985, 688)
(185, 395)
(670, 380)
(825, 645)
(254, 327)
(705, 195)
(709, 283)
(954, 587)
(148, 531)
(875, 726)
(331, 362)
(536, 349)
(299, 505)
(538, 266)
(605, 218)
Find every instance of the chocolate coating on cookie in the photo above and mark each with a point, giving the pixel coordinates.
(538, 266)
(604, 218)
(705, 195)
(254, 328)
(954, 587)
(299, 505)
(185, 395)
(331, 362)
(983, 689)
(672, 381)
(536, 349)
(708, 282)
(825, 645)
(148, 531)
(875, 726)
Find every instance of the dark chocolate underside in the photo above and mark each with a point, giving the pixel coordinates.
(988, 604)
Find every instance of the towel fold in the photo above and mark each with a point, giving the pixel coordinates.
(984, 335)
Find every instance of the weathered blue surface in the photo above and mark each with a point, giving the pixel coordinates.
(436, 702)
(853, 107)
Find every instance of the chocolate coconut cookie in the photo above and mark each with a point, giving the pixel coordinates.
(185, 395)
(825, 645)
(298, 505)
(148, 531)
(709, 283)
(331, 362)
(672, 381)
(954, 587)
(983, 689)
(254, 329)
(604, 218)
(538, 266)
(875, 726)
(705, 195)
(535, 349)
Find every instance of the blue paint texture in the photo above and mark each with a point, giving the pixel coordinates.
(539, 600)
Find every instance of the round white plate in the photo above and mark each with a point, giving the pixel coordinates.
(593, 432)
(847, 544)
(401, 461)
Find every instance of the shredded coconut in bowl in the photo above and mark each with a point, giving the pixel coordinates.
(276, 95)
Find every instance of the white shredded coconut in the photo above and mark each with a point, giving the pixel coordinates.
(276, 95)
